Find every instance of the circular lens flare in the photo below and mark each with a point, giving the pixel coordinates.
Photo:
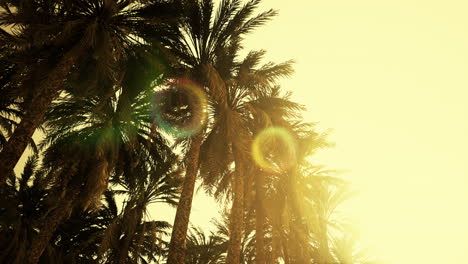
(274, 149)
(181, 109)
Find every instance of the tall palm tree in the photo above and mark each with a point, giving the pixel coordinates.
(200, 43)
(101, 30)
(278, 205)
(250, 86)
(277, 114)
(302, 228)
(324, 194)
(107, 137)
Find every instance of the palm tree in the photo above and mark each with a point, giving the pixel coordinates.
(324, 195)
(102, 31)
(10, 113)
(301, 228)
(346, 250)
(119, 235)
(212, 248)
(30, 200)
(78, 239)
(250, 87)
(11, 103)
(130, 238)
(103, 138)
(279, 208)
(203, 249)
(200, 43)
(24, 200)
(276, 114)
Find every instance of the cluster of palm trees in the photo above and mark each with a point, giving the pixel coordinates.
(133, 101)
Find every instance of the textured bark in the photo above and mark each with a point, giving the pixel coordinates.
(237, 216)
(51, 223)
(260, 257)
(48, 90)
(177, 245)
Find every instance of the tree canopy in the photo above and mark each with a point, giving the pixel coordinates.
(136, 100)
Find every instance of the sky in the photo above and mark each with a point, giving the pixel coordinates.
(390, 78)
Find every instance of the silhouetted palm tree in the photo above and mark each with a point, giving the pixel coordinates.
(78, 239)
(201, 43)
(11, 101)
(130, 237)
(103, 138)
(205, 249)
(300, 228)
(250, 86)
(346, 250)
(61, 35)
(24, 200)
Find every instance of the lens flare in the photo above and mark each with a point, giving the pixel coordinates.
(274, 149)
(181, 109)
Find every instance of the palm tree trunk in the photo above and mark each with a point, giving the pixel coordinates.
(48, 90)
(260, 220)
(284, 244)
(324, 248)
(237, 217)
(51, 223)
(133, 216)
(177, 245)
(122, 255)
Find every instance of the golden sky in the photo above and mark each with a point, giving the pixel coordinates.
(390, 78)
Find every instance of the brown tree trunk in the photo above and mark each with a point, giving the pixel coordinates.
(48, 90)
(51, 223)
(122, 255)
(177, 245)
(260, 257)
(284, 244)
(237, 216)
